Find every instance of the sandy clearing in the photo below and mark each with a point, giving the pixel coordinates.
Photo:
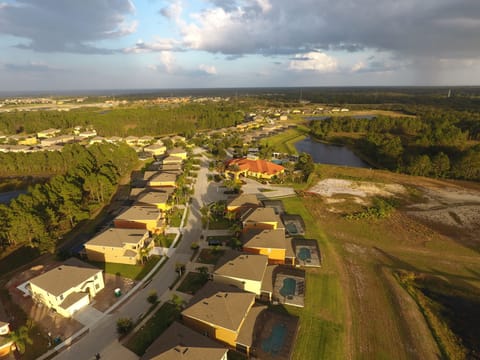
(363, 189)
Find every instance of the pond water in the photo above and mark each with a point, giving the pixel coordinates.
(6, 197)
(330, 154)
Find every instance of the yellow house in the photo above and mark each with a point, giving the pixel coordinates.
(271, 243)
(47, 133)
(180, 342)
(172, 160)
(163, 179)
(155, 149)
(179, 152)
(139, 217)
(225, 314)
(159, 199)
(68, 287)
(131, 140)
(28, 140)
(145, 140)
(245, 271)
(123, 246)
(261, 218)
(242, 202)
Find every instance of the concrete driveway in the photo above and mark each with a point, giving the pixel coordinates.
(88, 315)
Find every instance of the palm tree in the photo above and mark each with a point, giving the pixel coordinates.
(21, 338)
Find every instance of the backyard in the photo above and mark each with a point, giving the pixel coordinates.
(135, 272)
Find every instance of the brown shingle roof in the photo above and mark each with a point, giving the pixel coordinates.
(164, 176)
(272, 239)
(260, 215)
(138, 213)
(243, 266)
(224, 309)
(247, 332)
(244, 200)
(115, 237)
(71, 273)
(179, 342)
(153, 197)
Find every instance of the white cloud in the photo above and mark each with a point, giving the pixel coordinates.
(158, 44)
(208, 69)
(168, 61)
(313, 61)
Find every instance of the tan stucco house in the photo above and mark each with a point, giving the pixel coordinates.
(68, 287)
(139, 217)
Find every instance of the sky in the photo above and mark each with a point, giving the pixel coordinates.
(132, 44)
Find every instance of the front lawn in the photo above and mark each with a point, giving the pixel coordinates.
(153, 328)
(210, 256)
(193, 282)
(220, 224)
(175, 217)
(164, 240)
(135, 272)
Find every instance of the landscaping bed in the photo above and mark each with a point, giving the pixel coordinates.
(210, 256)
(193, 282)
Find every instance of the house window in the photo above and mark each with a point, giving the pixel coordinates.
(95, 277)
(61, 297)
(97, 286)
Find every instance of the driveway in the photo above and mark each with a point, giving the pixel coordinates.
(88, 315)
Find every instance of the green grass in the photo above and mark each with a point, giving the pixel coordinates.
(176, 217)
(210, 256)
(322, 320)
(135, 272)
(285, 141)
(153, 328)
(219, 224)
(164, 240)
(192, 283)
(222, 238)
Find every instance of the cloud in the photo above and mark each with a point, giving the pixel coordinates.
(29, 67)
(430, 28)
(313, 61)
(173, 11)
(159, 44)
(66, 26)
(169, 65)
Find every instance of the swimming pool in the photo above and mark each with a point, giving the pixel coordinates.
(288, 287)
(292, 229)
(274, 343)
(304, 254)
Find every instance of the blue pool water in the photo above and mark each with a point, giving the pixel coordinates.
(292, 229)
(288, 287)
(274, 343)
(304, 254)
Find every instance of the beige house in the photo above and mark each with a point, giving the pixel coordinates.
(245, 271)
(271, 243)
(131, 140)
(123, 246)
(179, 342)
(139, 217)
(163, 179)
(68, 287)
(179, 152)
(261, 218)
(224, 313)
(155, 149)
(145, 140)
(242, 202)
(159, 199)
(47, 133)
(172, 160)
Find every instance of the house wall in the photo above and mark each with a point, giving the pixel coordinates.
(244, 284)
(150, 225)
(154, 183)
(224, 335)
(109, 255)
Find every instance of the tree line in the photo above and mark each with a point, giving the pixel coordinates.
(47, 211)
(434, 143)
(125, 121)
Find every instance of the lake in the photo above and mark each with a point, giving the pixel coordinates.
(330, 154)
(6, 197)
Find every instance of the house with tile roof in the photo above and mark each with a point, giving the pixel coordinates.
(68, 287)
(121, 246)
(224, 313)
(258, 168)
(271, 243)
(179, 342)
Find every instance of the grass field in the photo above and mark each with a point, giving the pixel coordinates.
(357, 281)
(285, 141)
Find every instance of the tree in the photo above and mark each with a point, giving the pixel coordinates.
(177, 301)
(124, 325)
(21, 338)
(152, 297)
(305, 164)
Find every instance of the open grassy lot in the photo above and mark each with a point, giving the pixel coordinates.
(285, 141)
(153, 328)
(361, 261)
(135, 272)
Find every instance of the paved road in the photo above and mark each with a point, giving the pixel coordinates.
(102, 337)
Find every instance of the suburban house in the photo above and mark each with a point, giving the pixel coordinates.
(177, 138)
(68, 287)
(123, 246)
(224, 313)
(245, 271)
(179, 152)
(163, 179)
(258, 168)
(147, 175)
(172, 168)
(159, 199)
(180, 342)
(261, 218)
(87, 134)
(139, 217)
(155, 149)
(172, 159)
(47, 133)
(131, 140)
(271, 243)
(145, 140)
(97, 140)
(241, 203)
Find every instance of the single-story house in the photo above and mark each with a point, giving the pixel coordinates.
(258, 168)
(68, 287)
(179, 342)
(122, 246)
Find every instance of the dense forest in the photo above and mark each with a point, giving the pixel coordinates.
(125, 121)
(47, 211)
(434, 143)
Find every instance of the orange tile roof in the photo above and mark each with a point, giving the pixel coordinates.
(258, 166)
